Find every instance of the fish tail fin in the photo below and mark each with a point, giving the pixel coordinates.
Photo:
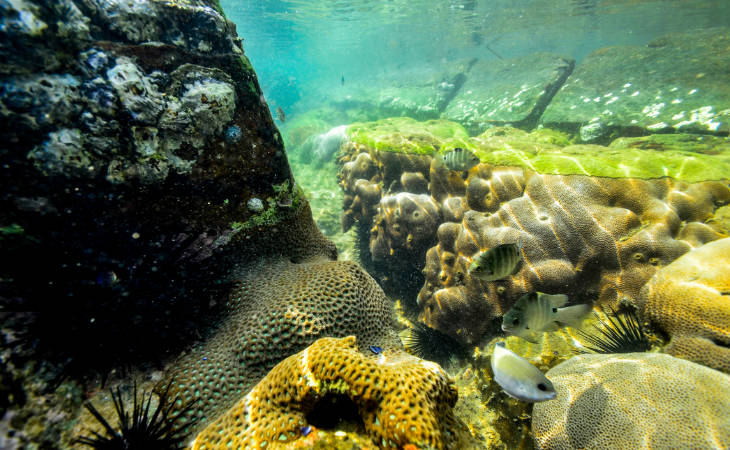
(572, 316)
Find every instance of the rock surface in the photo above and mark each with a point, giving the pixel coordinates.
(633, 400)
(675, 83)
(514, 91)
(690, 301)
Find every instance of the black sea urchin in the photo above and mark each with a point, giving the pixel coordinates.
(160, 429)
(621, 332)
(433, 345)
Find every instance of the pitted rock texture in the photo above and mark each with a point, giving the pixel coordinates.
(633, 400)
(690, 301)
(632, 88)
(596, 239)
(402, 400)
(276, 309)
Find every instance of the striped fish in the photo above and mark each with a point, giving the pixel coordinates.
(535, 313)
(459, 159)
(496, 263)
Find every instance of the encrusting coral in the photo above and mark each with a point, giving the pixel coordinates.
(690, 300)
(401, 400)
(647, 400)
(278, 308)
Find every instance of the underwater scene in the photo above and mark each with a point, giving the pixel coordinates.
(365, 224)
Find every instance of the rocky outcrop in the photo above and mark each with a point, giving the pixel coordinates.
(513, 91)
(671, 84)
(140, 163)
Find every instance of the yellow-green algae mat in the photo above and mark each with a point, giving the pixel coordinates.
(685, 157)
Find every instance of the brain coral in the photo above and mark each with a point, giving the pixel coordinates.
(400, 399)
(690, 300)
(279, 308)
(633, 400)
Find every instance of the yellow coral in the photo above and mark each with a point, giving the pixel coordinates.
(401, 399)
(688, 299)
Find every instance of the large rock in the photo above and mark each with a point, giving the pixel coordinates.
(635, 400)
(418, 92)
(514, 91)
(690, 301)
(675, 83)
(139, 164)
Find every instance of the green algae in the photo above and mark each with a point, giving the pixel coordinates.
(687, 158)
(278, 208)
(403, 134)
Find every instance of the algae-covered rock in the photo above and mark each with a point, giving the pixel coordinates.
(134, 137)
(514, 91)
(690, 301)
(675, 83)
(632, 400)
(407, 135)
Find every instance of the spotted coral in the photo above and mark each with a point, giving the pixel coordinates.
(402, 400)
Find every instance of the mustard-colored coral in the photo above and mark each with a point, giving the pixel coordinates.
(690, 300)
(633, 400)
(401, 399)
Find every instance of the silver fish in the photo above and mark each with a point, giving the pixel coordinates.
(536, 313)
(459, 159)
(518, 377)
(497, 263)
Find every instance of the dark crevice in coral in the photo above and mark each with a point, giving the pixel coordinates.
(333, 409)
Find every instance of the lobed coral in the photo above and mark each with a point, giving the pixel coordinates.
(588, 227)
(690, 300)
(621, 401)
(278, 308)
(401, 400)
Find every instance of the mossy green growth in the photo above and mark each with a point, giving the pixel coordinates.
(403, 134)
(285, 201)
(685, 158)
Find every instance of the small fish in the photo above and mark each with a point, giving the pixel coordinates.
(535, 313)
(497, 263)
(306, 430)
(375, 349)
(519, 378)
(342, 80)
(459, 159)
(280, 114)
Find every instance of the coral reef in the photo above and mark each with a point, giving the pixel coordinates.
(690, 301)
(399, 398)
(582, 233)
(617, 401)
(277, 309)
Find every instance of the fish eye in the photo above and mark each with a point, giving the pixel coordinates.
(555, 310)
(515, 322)
(542, 386)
